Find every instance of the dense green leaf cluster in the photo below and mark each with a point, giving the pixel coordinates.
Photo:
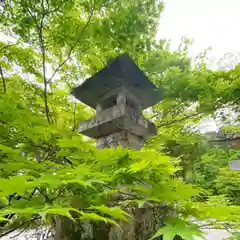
(48, 169)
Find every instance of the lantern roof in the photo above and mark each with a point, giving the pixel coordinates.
(121, 72)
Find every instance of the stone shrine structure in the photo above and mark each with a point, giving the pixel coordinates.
(119, 93)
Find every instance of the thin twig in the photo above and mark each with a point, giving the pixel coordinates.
(20, 73)
(58, 195)
(8, 46)
(28, 223)
(8, 232)
(179, 120)
(163, 114)
(74, 116)
(48, 6)
(55, 9)
(14, 229)
(3, 81)
(32, 193)
(30, 13)
(48, 200)
(125, 193)
(128, 194)
(23, 230)
(155, 115)
(225, 139)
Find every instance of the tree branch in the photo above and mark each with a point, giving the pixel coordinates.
(55, 9)
(30, 13)
(74, 116)
(43, 50)
(14, 229)
(156, 115)
(3, 81)
(179, 120)
(58, 195)
(8, 46)
(32, 193)
(8, 232)
(72, 47)
(225, 139)
(48, 200)
(23, 230)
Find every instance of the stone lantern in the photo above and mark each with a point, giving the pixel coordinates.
(119, 92)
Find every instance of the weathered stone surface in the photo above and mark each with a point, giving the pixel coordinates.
(124, 139)
(117, 118)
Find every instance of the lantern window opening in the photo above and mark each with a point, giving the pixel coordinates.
(109, 102)
(131, 103)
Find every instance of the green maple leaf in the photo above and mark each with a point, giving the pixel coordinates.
(178, 227)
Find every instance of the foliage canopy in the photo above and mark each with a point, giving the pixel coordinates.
(48, 169)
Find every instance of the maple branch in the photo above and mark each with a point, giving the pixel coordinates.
(8, 232)
(225, 226)
(43, 50)
(32, 193)
(161, 114)
(55, 9)
(48, 6)
(179, 120)
(48, 200)
(30, 13)
(74, 117)
(72, 47)
(8, 46)
(225, 139)
(23, 230)
(58, 195)
(23, 225)
(3, 81)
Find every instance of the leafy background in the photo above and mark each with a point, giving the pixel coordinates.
(48, 169)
